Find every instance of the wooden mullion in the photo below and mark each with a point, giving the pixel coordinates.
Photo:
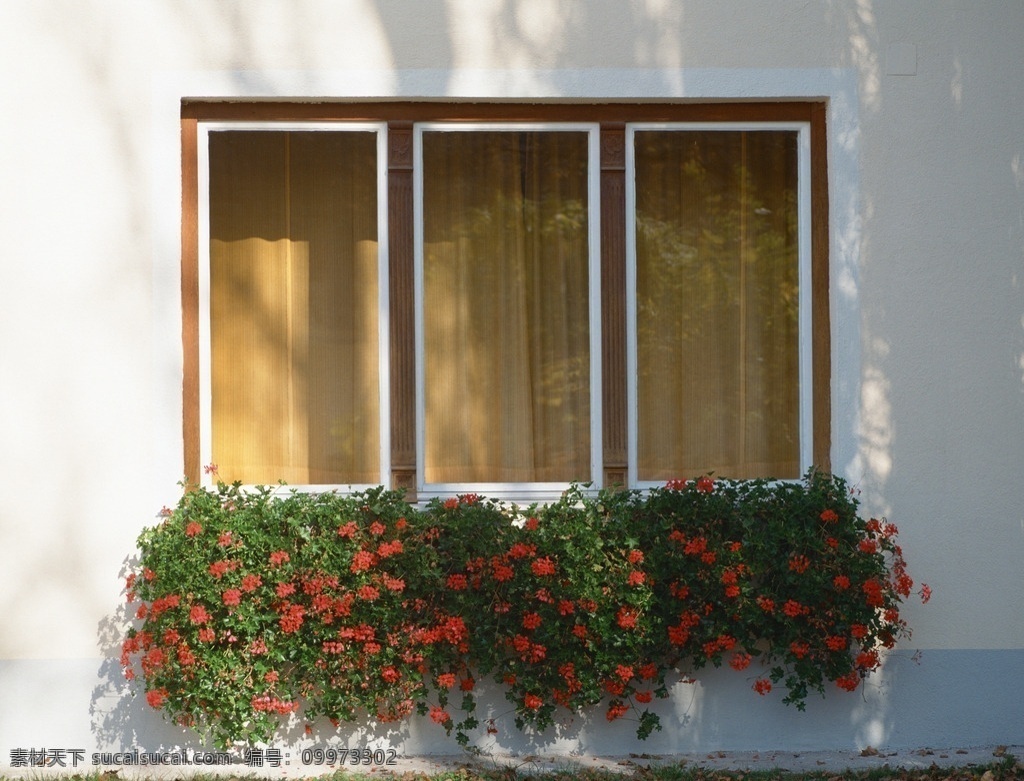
(402, 305)
(613, 302)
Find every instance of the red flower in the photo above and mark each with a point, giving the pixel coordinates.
(347, 530)
(390, 674)
(829, 516)
(836, 643)
(446, 680)
(503, 572)
(362, 561)
(841, 582)
(231, 596)
(867, 660)
(926, 593)
(643, 697)
(219, 568)
(521, 550)
(799, 649)
(467, 684)
(192, 529)
(868, 546)
(386, 549)
(626, 617)
(740, 661)
(859, 631)
(457, 582)
(450, 504)
(762, 686)
(279, 557)
(566, 608)
(636, 578)
(207, 635)
(531, 525)
(285, 589)
(695, 547)
(291, 618)
(614, 687)
(636, 557)
(873, 593)
(369, 593)
(580, 631)
(438, 714)
(377, 528)
(615, 711)
(542, 567)
(678, 635)
(198, 615)
(251, 582)
(849, 682)
(799, 564)
(649, 671)
(532, 702)
(705, 485)
(531, 620)
(394, 584)
(156, 697)
(792, 608)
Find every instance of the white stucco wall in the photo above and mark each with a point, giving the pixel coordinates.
(926, 144)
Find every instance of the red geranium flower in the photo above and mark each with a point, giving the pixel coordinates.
(543, 567)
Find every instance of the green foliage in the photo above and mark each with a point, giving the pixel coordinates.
(252, 606)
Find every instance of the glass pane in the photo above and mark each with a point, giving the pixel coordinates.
(717, 304)
(507, 362)
(293, 307)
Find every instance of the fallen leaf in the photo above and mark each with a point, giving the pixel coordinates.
(869, 752)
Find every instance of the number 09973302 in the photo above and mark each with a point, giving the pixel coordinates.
(349, 756)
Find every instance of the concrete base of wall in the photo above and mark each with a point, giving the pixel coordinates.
(942, 698)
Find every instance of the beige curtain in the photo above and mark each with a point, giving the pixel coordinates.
(507, 366)
(293, 307)
(717, 263)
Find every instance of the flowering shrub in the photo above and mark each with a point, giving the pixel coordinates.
(252, 606)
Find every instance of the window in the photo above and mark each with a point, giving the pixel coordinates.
(293, 323)
(504, 298)
(508, 313)
(718, 241)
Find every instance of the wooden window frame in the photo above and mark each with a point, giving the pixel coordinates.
(612, 119)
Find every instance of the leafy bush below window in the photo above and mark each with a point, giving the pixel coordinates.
(251, 606)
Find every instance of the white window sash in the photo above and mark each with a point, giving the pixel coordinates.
(516, 492)
(383, 303)
(804, 326)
